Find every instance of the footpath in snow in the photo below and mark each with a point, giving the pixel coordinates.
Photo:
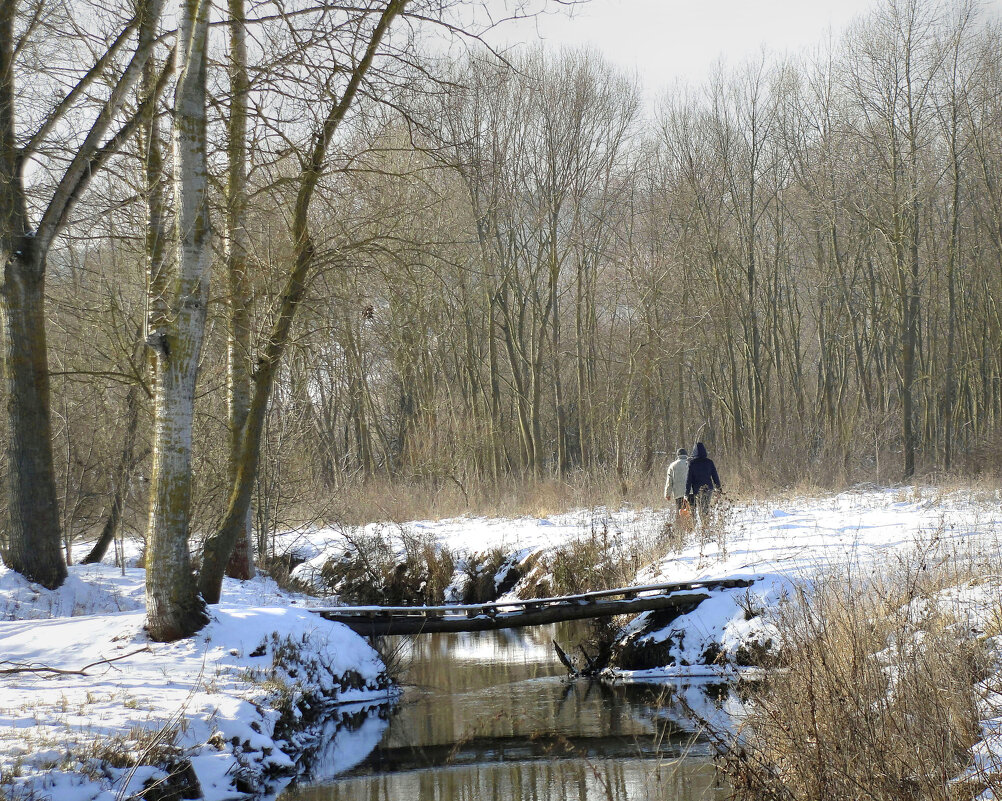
(783, 545)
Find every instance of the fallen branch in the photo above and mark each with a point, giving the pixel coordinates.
(566, 660)
(22, 668)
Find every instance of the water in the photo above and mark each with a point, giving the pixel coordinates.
(493, 716)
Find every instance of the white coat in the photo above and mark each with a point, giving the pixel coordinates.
(678, 472)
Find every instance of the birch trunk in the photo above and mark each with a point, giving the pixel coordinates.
(175, 330)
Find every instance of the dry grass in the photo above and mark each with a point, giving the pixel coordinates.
(602, 558)
(101, 756)
(481, 571)
(872, 696)
(390, 567)
(782, 474)
(401, 499)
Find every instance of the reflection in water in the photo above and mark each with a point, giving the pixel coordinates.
(347, 737)
(492, 716)
(557, 780)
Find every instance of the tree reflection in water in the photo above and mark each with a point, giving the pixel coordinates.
(493, 716)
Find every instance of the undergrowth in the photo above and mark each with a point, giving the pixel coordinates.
(390, 567)
(872, 693)
(603, 557)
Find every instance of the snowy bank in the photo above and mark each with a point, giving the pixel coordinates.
(91, 709)
(777, 544)
(782, 545)
(232, 701)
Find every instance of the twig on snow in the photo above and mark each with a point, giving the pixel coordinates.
(23, 668)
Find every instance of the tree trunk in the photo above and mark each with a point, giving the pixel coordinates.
(34, 544)
(216, 552)
(33, 547)
(241, 564)
(174, 609)
(173, 606)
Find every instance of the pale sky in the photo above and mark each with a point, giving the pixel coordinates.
(669, 40)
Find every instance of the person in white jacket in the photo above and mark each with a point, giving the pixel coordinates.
(678, 473)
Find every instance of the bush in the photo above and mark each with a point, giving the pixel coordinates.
(873, 695)
(602, 558)
(390, 567)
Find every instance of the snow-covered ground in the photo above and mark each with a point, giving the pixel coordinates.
(793, 537)
(83, 690)
(782, 544)
(212, 696)
(774, 544)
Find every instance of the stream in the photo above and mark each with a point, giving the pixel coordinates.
(493, 715)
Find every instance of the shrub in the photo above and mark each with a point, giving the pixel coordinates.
(390, 567)
(602, 558)
(872, 696)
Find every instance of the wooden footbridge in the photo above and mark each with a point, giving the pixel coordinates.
(384, 620)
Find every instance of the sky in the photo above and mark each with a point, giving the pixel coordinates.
(682, 40)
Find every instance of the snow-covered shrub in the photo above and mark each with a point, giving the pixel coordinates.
(301, 681)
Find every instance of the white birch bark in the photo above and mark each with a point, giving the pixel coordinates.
(174, 607)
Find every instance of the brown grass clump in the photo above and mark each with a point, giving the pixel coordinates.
(390, 567)
(381, 498)
(602, 558)
(872, 696)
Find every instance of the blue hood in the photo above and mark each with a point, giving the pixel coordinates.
(699, 452)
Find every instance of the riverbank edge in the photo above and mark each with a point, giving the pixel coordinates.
(783, 544)
(230, 713)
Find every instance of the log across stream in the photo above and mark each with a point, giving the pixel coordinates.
(381, 621)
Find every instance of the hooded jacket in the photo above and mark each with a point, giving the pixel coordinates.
(702, 472)
(678, 472)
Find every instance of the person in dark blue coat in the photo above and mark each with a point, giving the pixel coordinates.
(702, 480)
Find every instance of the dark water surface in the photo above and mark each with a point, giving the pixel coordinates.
(493, 716)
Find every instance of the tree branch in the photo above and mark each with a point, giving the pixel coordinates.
(113, 145)
(78, 173)
(21, 668)
(64, 105)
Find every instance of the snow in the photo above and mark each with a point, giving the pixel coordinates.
(776, 544)
(214, 695)
(462, 535)
(208, 698)
(780, 546)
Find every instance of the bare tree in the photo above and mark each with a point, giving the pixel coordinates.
(238, 352)
(218, 547)
(33, 547)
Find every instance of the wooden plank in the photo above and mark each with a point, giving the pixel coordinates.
(384, 626)
(582, 597)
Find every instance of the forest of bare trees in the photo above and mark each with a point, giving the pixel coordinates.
(256, 255)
